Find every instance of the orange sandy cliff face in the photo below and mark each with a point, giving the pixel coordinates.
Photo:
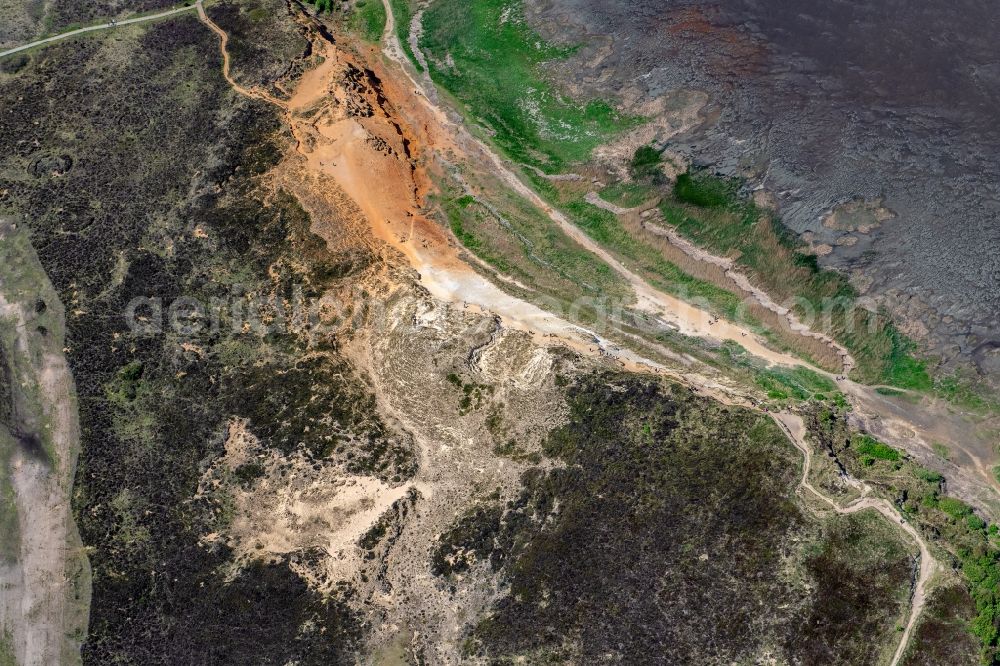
(347, 128)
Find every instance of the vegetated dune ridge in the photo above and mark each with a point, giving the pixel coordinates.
(352, 124)
(741, 281)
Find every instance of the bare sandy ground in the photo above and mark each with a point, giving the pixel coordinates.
(293, 507)
(35, 589)
(375, 160)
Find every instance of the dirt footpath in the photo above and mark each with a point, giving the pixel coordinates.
(795, 429)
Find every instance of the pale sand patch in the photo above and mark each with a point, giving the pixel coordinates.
(293, 507)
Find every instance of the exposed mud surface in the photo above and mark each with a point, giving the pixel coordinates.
(824, 105)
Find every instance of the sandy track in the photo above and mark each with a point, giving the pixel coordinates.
(223, 48)
(741, 280)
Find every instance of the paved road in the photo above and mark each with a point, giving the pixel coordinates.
(100, 26)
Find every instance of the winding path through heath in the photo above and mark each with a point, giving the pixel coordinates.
(223, 48)
(795, 429)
